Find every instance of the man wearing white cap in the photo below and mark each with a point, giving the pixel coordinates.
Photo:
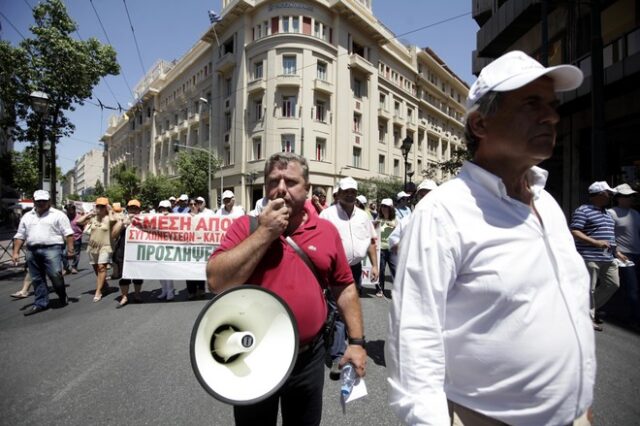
(402, 208)
(228, 208)
(627, 230)
(593, 229)
(489, 322)
(202, 207)
(44, 230)
(182, 206)
(424, 188)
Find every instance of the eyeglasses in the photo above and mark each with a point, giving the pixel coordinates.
(192, 204)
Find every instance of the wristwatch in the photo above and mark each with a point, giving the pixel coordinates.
(360, 342)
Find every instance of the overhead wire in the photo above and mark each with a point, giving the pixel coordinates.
(135, 40)
(12, 26)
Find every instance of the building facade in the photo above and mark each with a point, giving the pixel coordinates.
(88, 170)
(324, 79)
(600, 120)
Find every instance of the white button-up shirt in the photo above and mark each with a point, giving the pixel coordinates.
(236, 211)
(48, 229)
(490, 308)
(356, 231)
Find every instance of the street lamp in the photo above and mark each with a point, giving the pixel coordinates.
(405, 148)
(40, 103)
(206, 102)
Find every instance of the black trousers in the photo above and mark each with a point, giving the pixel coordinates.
(300, 396)
(194, 286)
(356, 270)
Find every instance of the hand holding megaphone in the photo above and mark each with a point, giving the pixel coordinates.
(275, 217)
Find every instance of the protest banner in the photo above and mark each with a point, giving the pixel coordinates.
(172, 246)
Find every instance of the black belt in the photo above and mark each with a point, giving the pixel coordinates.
(39, 246)
(307, 346)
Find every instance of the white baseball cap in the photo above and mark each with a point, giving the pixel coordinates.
(348, 183)
(516, 69)
(402, 194)
(41, 195)
(427, 184)
(624, 189)
(184, 197)
(387, 202)
(200, 199)
(600, 186)
(172, 198)
(227, 194)
(362, 199)
(165, 203)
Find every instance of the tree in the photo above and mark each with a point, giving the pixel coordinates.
(128, 180)
(193, 171)
(116, 194)
(155, 189)
(20, 171)
(458, 156)
(55, 63)
(377, 188)
(98, 189)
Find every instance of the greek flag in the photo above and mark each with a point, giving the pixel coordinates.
(214, 17)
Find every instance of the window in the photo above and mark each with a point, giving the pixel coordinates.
(317, 29)
(257, 108)
(256, 152)
(321, 71)
(285, 24)
(288, 143)
(295, 24)
(257, 70)
(357, 88)
(409, 115)
(227, 121)
(357, 119)
(383, 101)
(357, 156)
(227, 156)
(227, 87)
(396, 108)
(419, 167)
(382, 133)
(289, 64)
(396, 167)
(432, 146)
(321, 148)
(320, 111)
(227, 47)
(288, 106)
(381, 164)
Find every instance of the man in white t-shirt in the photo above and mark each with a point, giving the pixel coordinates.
(228, 208)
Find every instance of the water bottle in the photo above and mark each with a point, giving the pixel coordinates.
(348, 378)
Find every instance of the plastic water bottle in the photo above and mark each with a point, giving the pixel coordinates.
(348, 378)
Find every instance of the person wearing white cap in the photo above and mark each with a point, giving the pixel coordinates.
(202, 207)
(593, 230)
(358, 236)
(228, 208)
(182, 206)
(168, 291)
(489, 322)
(402, 207)
(172, 200)
(44, 230)
(387, 223)
(423, 189)
(627, 230)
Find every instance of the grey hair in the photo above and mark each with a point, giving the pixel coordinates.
(486, 106)
(282, 159)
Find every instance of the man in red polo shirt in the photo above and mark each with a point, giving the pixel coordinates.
(265, 258)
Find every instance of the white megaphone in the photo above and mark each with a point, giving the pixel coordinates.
(244, 345)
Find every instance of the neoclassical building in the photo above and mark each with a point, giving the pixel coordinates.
(324, 78)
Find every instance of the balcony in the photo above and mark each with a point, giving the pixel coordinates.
(226, 63)
(358, 62)
(257, 86)
(481, 11)
(288, 80)
(398, 119)
(384, 112)
(323, 86)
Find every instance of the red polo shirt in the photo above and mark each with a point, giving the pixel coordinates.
(282, 271)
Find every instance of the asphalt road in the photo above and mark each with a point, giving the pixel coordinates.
(89, 363)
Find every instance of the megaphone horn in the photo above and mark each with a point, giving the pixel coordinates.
(244, 345)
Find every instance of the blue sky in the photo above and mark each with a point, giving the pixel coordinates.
(166, 29)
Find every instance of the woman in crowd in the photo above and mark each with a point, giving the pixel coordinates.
(168, 291)
(71, 265)
(101, 222)
(119, 235)
(387, 222)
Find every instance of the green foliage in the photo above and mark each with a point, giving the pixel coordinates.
(98, 189)
(128, 181)
(377, 188)
(20, 171)
(193, 172)
(458, 156)
(54, 62)
(116, 194)
(73, 197)
(155, 189)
